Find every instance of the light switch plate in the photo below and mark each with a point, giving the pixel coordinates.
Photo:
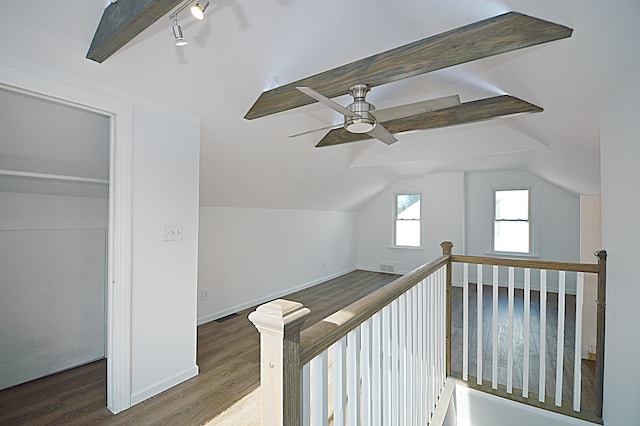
(171, 232)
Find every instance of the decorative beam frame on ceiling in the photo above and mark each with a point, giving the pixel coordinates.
(500, 34)
(122, 21)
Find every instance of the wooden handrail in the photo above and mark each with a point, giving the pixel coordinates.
(320, 336)
(528, 263)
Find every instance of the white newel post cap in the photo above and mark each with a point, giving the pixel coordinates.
(277, 316)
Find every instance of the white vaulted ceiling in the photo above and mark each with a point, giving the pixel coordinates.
(243, 47)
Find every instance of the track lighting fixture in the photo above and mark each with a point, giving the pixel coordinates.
(177, 32)
(197, 10)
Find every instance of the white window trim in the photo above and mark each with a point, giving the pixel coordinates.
(534, 203)
(392, 222)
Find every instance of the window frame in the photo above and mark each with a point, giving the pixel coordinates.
(394, 219)
(532, 220)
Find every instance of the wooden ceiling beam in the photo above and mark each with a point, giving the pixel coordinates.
(122, 21)
(468, 112)
(500, 34)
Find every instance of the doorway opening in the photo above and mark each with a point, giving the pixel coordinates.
(118, 118)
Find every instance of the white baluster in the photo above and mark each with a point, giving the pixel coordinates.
(543, 335)
(415, 375)
(479, 301)
(560, 345)
(465, 322)
(432, 344)
(577, 368)
(394, 361)
(353, 376)
(305, 395)
(436, 345)
(340, 382)
(510, 332)
(377, 372)
(420, 391)
(527, 326)
(494, 365)
(386, 365)
(319, 391)
(365, 360)
(402, 359)
(413, 319)
(443, 328)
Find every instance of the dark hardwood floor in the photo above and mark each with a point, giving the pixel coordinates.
(228, 357)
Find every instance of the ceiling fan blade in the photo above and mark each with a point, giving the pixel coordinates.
(401, 111)
(500, 34)
(467, 112)
(326, 101)
(382, 134)
(335, 126)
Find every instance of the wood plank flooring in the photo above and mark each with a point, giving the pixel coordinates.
(228, 357)
(226, 392)
(588, 367)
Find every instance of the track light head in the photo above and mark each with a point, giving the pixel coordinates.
(177, 33)
(197, 10)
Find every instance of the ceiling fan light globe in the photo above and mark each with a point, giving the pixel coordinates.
(359, 125)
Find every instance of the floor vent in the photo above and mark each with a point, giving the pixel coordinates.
(228, 317)
(387, 267)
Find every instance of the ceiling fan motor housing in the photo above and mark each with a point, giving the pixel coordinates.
(362, 121)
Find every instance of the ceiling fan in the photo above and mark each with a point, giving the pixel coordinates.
(361, 117)
(500, 34)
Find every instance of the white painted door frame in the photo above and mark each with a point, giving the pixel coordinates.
(119, 238)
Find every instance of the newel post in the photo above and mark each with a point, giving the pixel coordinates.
(447, 246)
(279, 323)
(600, 319)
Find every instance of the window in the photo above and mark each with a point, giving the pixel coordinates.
(407, 220)
(511, 227)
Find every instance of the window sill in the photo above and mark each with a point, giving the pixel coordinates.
(513, 254)
(405, 248)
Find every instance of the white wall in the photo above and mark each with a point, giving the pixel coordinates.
(35, 211)
(442, 220)
(165, 190)
(458, 207)
(556, 219)
(443, 213)
(249, 256)
(474, 407)
(375, 231)
(165, 174)
(620, 174)
(53, 265)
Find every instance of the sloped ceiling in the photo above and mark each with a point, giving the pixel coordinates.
(243, 47)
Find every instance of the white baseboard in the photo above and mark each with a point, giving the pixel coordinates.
(374, 269)
(162, 386)
(18, 375)
(214, 316)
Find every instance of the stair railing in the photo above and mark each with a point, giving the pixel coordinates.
(385, 358)
(380, 360)
(524, 273)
